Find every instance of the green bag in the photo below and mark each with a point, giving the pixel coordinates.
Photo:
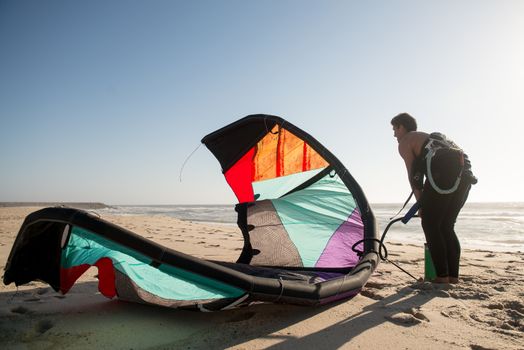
(429, 269)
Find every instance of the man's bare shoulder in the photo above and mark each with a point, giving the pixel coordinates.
(417, 135)
(417, 140)
(412, 142)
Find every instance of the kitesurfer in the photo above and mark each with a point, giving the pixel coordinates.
(439, 207)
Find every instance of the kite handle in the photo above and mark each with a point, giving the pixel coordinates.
(411, 213)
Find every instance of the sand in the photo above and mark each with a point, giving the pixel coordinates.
(484, 311)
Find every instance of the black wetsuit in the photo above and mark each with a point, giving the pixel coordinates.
(439, 214)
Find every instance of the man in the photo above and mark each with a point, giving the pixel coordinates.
(439, 207)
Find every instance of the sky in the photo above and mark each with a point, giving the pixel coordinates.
(103, 101)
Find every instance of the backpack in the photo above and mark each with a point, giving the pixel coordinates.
(444, 163)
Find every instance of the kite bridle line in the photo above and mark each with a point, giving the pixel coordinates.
(187, 158)
(382, 250)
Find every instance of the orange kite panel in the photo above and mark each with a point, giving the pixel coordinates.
(282, 153)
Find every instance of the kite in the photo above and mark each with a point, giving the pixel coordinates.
(310, 236)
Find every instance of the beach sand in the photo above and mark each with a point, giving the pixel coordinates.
(484, 311)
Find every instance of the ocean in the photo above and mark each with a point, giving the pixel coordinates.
(487, 226)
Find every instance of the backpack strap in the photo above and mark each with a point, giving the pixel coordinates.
(432, 147)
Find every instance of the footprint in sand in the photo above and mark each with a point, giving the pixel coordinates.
(405, 261)
(212, 245)
(32, 299)
(515, 305)
(436, 289)
(42, 291)
(468, 295)
(467, 278)
(371, 294)
(376, 285)
(513, 320)
(417, 314)
(496, 306)
(43, 326)
(20, 310)
(241, 317)
(403, 319)
(511, 268)
(421, 286)
(479, 347)
(454, 311)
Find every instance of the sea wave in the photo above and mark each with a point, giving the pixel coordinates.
(495, 226)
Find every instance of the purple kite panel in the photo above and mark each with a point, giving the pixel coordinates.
(338, 252)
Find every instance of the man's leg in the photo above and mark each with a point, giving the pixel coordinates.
(448, 229)
(434, 207)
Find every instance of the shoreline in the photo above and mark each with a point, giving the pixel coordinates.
(411, 233)
(101, 205)
(484, 311)
(77, 205)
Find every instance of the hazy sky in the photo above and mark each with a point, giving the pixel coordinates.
(104, 100)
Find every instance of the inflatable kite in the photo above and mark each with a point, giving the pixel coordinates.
(309, 233)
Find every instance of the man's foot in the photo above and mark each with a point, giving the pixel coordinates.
(453, 280)
(440, 280)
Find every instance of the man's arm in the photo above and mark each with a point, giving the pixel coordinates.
(406, 152)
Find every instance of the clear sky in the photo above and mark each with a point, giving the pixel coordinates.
(104, 100)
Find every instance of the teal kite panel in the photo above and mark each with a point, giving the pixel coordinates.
(169, 282)
(279, 186)
(312, 215)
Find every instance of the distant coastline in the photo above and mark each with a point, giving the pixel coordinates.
(78, 205)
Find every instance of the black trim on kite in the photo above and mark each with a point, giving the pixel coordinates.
(36, 252)
(30, 259)
(249, 130)
(311, 181)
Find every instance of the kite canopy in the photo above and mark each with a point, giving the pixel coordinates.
(300, 212)
(299, 206)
